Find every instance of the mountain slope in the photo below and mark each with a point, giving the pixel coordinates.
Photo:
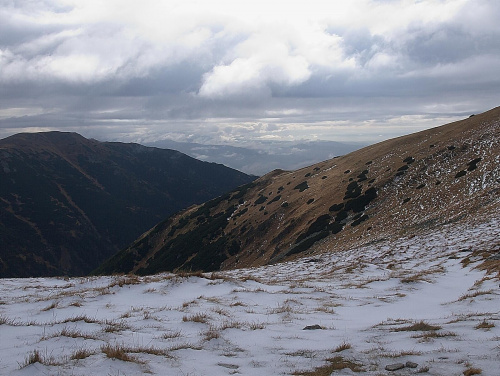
(264, 156)
(67, 203)
(394, 188)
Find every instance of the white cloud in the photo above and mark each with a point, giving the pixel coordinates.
(205, 68)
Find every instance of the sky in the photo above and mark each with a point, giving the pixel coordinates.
(243, 72)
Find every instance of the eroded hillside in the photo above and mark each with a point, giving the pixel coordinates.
(394, 188)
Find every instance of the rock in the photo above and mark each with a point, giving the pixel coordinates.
(394, 367)
(312, 327)
(229, 366)
(411, 365)
(314, 260)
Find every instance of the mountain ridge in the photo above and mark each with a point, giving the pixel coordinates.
(263, 157)
(67, 202)
(394, 187)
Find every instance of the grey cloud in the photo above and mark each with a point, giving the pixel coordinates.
(148, 90)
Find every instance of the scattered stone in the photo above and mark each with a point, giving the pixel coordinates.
(313, 327)
(227, 365)
(394, 367)
(411, 365)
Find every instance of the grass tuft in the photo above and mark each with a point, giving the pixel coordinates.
(34, 357)
(472, 371)
(198, 317)
(343, 346)
(336, 363)
(427, 336)
(475, 294)
(418, 326)
(81, 354)
(49, 307)
(485, 325)
(122, 352)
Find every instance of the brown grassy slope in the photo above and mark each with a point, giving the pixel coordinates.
(271, 217)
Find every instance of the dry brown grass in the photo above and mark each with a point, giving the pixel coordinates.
(485, 325)
(427, 336)
(256, 326)
(34, 357)
(125, 280)
(37, 357)
(7, 321)
(172, 334)
(70, 333)
(113, 327)
(198, 317)
(417, 327)
(335, 364)
(117, 352)
(472, 371)
(342, 347)
(230, 324)
(83, 318)
(475, 294)
(212, 333)
(81, 354)
(51, 306)
(122, 352)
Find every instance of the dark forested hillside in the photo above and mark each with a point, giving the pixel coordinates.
(67, 202)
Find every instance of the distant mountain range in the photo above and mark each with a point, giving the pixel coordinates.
(67, 203)
(391, 189)
(266, 156)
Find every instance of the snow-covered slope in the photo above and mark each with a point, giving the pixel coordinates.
(425, 299)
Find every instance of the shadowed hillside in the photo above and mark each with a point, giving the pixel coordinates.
(67, 203)
(398, 187)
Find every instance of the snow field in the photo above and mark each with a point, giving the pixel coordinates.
(411, 299)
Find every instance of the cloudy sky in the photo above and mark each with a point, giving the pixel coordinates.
(239, 71)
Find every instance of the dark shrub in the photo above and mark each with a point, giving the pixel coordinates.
(302, 186)
(336, 207)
